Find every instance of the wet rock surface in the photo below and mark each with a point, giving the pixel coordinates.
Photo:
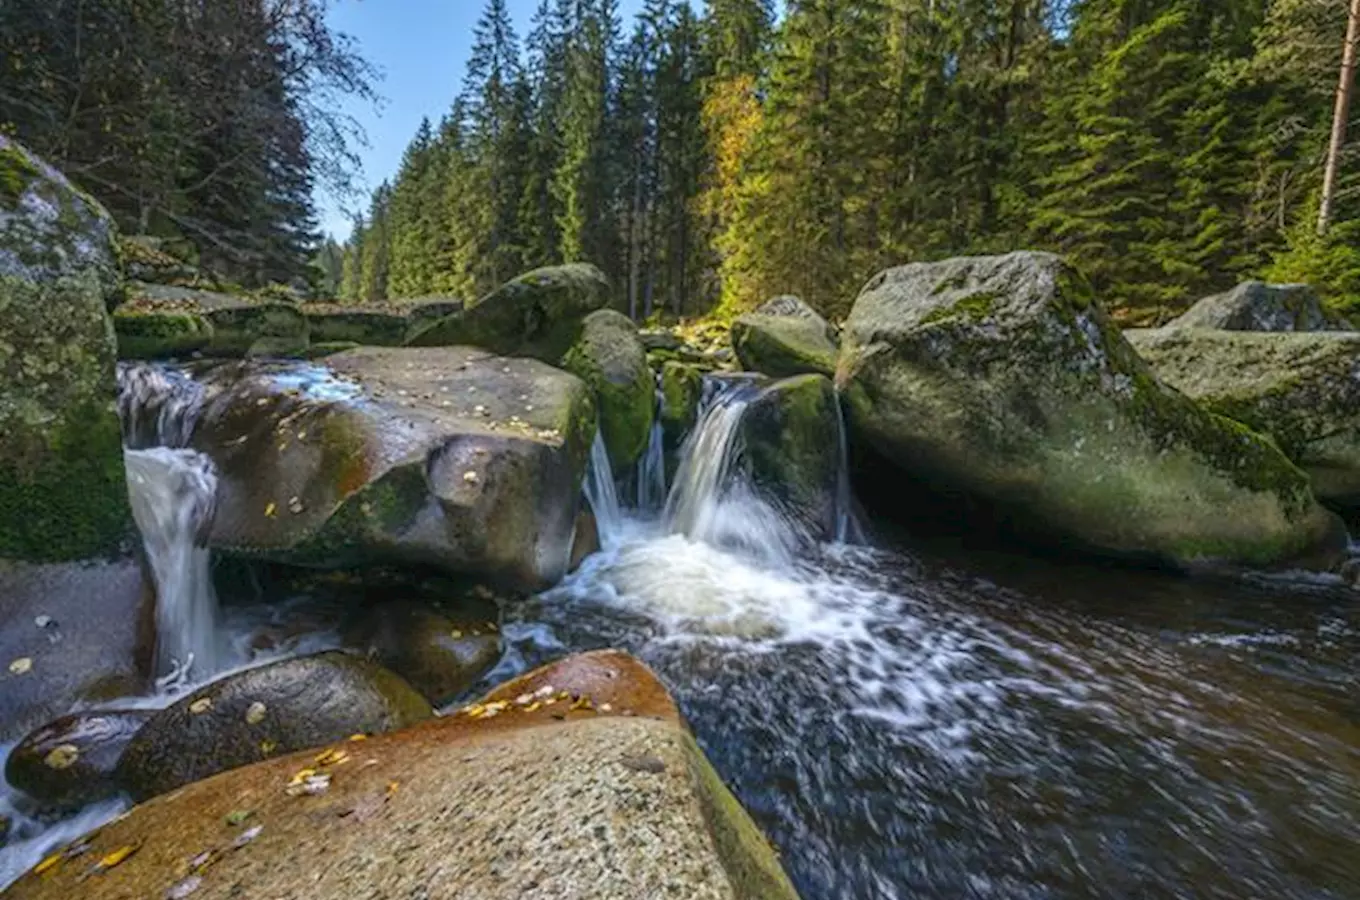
(71, 761)
(1003, 379)
(265, 712)
(609, 357)
(601, 793)
(71, 632)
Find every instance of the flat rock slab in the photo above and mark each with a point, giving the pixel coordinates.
(594, 804)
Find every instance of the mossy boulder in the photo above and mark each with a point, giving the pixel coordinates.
(238, 326)
(63, 495)
(448, 456)
(70, 762)
(440, 650)
(373, 327)
(264, 712)
(71, 633)
(539, 314)
(791, 435)
(146, 259)
(785, 337)
(150, 333)
(682, 388)
(577, 780)
(1301, 389)
(610, 358)
(1257, 306)
(1001, 378)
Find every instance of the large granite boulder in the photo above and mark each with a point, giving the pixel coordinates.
(69, 633)
(575, 781)
(62, 490)
(785, 337)
(610, 358)
(1301, 389)
(1001, 378)
(71, 762)
(539, 314)
(1257, 306)
(166, 320)
(447, 456)
(268, 711)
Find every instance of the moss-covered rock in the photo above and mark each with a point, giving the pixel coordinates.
(159, 333)
(146, 259)
(371, 327)
(1257, 306)
(441, 650)
(610, 359)
(259, 713)
(1301, 389)
(70, 762)
(445, 455)
(328, 348)
(785, 337)
(1002, 378)
(539, 314)
(682, 387)
(239, 326)
(791, 435)
(576, 780)
(63, 494)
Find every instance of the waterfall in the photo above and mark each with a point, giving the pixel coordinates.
(602, 495)
(848, 528)
(651, 471)
(172, 494)
(158, 404)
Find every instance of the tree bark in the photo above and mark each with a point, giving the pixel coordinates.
(1343, 105)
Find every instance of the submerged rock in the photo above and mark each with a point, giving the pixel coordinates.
(1257, 306)
(71, 632)
(610, 358)
(62, 490)
(785, 337)
(440, 652)
(265, 712)
(1301, 389)
(1002, 378)
(447, 456)
(790, 431)
(575, 781)
(69, 763)
(539, 314)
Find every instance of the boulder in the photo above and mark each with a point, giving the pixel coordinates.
(239, 326)
(539, 314)
(268, 711)
(71, 632)
(70, 763)
(785, 337)
(160, 333)
(62, 491)
(447, 456)
(682, 388)
(1002, 379)
(1257, 306)
(368, 326)
(610, 358)
(601, 793)
(440, 652)
(1301, 389)
(791, 435)
(146, 259)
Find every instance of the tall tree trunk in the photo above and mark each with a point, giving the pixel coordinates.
(1343, 106)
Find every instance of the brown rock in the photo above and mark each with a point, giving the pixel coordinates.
(70, 762)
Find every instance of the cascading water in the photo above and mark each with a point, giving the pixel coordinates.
(602, 494)
(159, 405)
(848, 528)
(651, 471)
(172, 493)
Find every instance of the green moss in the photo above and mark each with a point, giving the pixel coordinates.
(363, 327)
(70, 502)
(610, 359)
(783, 346)
(16, 174)
(682, 386)
(159, 335)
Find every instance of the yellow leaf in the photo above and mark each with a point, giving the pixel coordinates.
(62, 756)
(358, 737)
(117, 857)
(268, 747)
(21, 666)
(47, 864)
(255, 714)
(331, 757)
(271, 509)
(300, 776)
(200, 706)
(392, 787)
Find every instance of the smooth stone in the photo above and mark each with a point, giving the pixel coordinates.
(70, 762)
(98, 641)
(785, 337)
(601, 794)
(264, 712)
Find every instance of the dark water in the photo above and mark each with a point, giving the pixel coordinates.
(927, 724)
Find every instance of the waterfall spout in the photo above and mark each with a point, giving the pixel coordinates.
(848, 528)
(651, 471)
(602, 494)
(172, 495)
(159, 405)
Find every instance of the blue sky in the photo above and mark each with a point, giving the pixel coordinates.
(421, 46)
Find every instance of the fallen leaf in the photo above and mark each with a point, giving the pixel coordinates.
(246, 837)
(331, 757)
(300, 776)
(455, 634)
(582, 702)
(470, 477)
(116, 858)
(202, 861)
(184, 888)
(392, 787)
(200, 706)
(255, 713)
(271, 509)
(47, 864)
(358, 737)
(63, 756)
(310, 786)
(268, 747)
(21, 666)
(238, 817)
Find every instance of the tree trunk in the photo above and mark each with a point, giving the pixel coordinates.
(1343, 105)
